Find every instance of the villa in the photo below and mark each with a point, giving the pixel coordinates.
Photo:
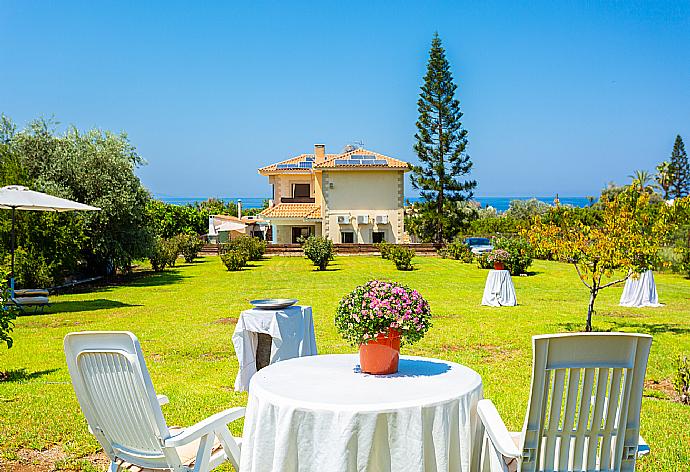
(356, 196)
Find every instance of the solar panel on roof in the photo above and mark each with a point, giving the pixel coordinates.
(367, 161)
(365, 156)
(342, 162)
(310, 158)
(306, 164)
(287, 166)
(380, 162)
(353, 162)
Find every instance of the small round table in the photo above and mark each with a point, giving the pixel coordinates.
(499, 289)
(320, 413)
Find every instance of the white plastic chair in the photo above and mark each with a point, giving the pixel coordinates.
(584, 408)
(116, 395)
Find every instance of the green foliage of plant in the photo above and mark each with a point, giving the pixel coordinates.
(163, 253)
(319, 250)
(385, 249)
(457, 250)
(31, 270)
(94, 167)
(680, 170)
(519, 254)
(8, 313)
(681, 381)
(189, 245)
(234, 260)
(421, 220)
(483, 261)
(627, 240)
(168, 220)
(252, 247)
(402, 257)
(526, 209)
(378, 306)
(491, 223)
(440, 148)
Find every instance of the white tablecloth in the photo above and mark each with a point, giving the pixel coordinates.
(499, 289)
(292, 330)
(320, 414)
(640, 292)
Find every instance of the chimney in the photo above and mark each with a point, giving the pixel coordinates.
(320, 153)
(239, 209)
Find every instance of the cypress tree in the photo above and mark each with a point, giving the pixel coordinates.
(680, 170)
(441, 142)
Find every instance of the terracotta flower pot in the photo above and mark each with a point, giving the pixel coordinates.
(380, 356)
(499, 265)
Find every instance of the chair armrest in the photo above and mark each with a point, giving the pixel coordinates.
(204, 427)
(496, 429)
(162, 400)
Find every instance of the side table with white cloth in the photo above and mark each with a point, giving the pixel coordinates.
(640, 292)
(320, 413)
(499, 289)
(291, 330)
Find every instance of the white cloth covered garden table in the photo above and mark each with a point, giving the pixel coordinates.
(499, 289)
(319, 413)
(292, 332)
(640, 292)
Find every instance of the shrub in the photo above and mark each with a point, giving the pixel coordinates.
(682, 380)
(483, 261)
(392, 306)
(385, 249)
(457, 250)
(520, 254)
(234, 260)
(190, 245)
(158, 255)
(31, 270)
(252, 247)
(171, 249)
(7, 313)
(318, 250)
(402, 257)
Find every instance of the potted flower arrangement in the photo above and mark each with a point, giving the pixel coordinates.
(378, 317)
(498, 257)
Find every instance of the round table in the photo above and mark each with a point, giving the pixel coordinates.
(320, 413)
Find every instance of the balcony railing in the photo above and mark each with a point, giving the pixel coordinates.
(297, 200)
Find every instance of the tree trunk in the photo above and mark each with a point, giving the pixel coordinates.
(590, 309)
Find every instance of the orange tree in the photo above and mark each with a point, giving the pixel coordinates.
(623, 241)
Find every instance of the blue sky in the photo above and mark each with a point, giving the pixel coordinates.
(558, 96)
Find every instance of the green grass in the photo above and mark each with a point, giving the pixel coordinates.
(179, 319)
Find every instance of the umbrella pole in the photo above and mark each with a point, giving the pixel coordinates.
(12, 251)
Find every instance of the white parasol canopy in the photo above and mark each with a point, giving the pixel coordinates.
(17, 197)
(231, 226)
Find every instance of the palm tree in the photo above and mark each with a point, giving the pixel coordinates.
(664, 177)
(641, 180)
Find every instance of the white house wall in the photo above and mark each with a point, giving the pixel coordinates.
(371, 193)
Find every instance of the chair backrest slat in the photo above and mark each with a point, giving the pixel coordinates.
(115, 393)
(585, 402)
(569, 418)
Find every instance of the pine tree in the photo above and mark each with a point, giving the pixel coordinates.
(441, 142)
(680, 169)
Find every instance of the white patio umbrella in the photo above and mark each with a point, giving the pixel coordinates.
(231, 226)
(16, 197)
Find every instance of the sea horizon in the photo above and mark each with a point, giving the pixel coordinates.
(499, 203)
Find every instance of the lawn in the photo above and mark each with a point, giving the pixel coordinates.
(184, 319)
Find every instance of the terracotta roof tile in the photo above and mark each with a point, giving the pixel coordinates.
(330, 162)
(293, 210)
